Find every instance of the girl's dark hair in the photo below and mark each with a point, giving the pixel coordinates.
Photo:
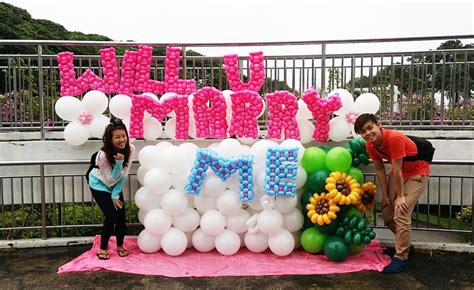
(108, 147)
(362, 120)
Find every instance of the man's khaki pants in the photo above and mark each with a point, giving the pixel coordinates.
(399, 222)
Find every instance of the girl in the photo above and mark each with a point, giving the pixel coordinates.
(106, 180)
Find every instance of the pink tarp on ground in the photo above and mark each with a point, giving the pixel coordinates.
(245, 263)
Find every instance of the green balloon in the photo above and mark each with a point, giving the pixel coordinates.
(307, 223)
(338, 159)
(355, 162)
(353, 211)
(325, 148)
(317, 180)
(312, 240)
(328, 229)
(355, 146)
(313, 159)
(335, 248)
(304, 199)
(357, 174)
(356, 249)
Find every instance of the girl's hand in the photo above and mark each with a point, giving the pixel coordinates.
(117, 203)
(119, 156)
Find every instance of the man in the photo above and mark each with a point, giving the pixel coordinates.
(406, 181)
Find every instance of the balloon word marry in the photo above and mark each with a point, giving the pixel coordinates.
(280, 166)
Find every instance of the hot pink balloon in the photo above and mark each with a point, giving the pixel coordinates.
(210, 120)
(246, 106)
(282, 108)
(256, 77)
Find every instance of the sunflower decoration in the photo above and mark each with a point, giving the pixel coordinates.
(367, 200)
(344, 188)
(322, 209)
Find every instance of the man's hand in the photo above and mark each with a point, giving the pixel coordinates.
(385, 201)
(117, 203)
(119, 156)
(400, 204)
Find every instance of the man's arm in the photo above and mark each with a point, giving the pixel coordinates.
(382, 178)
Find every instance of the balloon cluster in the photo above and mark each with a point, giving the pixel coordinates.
(246, 107)
(172, 81)
(322, 109)
(159, 110)
(354, 230)
(358, 152)
(257, 72)
(69, 85)
(342, 126)
(276, 171)
(86, 116)
(210, 119)
(282, 109)
(217, 218)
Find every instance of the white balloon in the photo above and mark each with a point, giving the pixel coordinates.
(174, 202)
(141, 215)
(179, 180)
(147, 201)
(120, 106)
(282, 243)
(238, 223)
(255, 203)
(212, 222)
(293, 221)
(174, 242)
(69, 108)
(229, 147)
(148, 243)
(256, 243)
(163, 144)
(141, 174)
(339, 129)
(157, 222)
(203, 242)
(233, 183)
(259, 151)
(227, 243)
(188, 221)
(95, 102)
(157, 181)
(98, 125)
(270, 221)
(301, 177)
(152, 128)
(204, 203)
(367, 103)
(189, 237)
(170, 128)
(303, 112)
(286, 204)
(346, 98)
(189, 150)
(229, 203)
(174, 161)
(76, 134)
(151, 157)
(213, 186)
(306, 131)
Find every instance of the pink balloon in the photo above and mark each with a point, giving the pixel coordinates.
(322, 109)
(210, 121)
(246, 106)
(282, 108)
(257, 72)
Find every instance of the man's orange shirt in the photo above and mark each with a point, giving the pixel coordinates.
(395, 145)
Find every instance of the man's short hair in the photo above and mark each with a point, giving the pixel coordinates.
(362, 120)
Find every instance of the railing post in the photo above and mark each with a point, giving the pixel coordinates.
(323, 70)
(43, 202)
(472, 207)
(41, 90)
(184, 62)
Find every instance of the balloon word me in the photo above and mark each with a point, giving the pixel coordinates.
(281, 170)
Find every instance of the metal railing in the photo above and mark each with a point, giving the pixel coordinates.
(418, 89)
(45, 202)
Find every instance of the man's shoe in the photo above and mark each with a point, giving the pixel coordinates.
(390, 251)
(395, 266)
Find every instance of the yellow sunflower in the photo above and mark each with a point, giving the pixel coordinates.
(321, 209)
(344, 188)
(367, 200)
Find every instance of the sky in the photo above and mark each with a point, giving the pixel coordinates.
(230, 21)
